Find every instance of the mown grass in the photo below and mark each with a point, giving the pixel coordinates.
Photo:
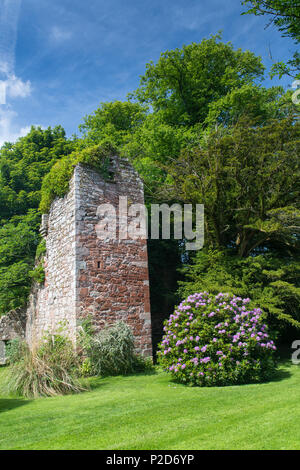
(151, 412)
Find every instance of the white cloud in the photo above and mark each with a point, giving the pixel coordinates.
(16, 88)
(8, 131)
(60, 35)
(11, 86)
(4, 68)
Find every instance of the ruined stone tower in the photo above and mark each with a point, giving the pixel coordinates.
(86, 276)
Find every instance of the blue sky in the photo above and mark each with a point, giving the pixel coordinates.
(61, 58)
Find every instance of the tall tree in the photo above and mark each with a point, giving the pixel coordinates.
(248, 178)
(22, 168)
(188, 92)
(182, 84)
(112, 122)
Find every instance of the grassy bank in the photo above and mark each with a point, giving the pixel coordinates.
(151, 412)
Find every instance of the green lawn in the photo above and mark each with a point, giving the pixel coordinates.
(151, 412)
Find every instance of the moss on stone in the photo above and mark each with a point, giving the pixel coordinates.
(41, 249)
(38, 274)
(56, 182)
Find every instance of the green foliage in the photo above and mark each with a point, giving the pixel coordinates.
(113, 122)
(291, 67)
(247, 177)
(217, 340)
(41, 249)
(184, 81)
(256, 102)
(13, 350)
(22, 168)
(18, 241)
(38, 273)
(272, 282)
(111, 351)
(211, 135)
(86, 368)
(50, 369)
(56, 182)
(185, 131)
(164, 274)
(284, 14)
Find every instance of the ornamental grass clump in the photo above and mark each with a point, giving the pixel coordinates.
(50, 369)
(111, 351)
(217, 340)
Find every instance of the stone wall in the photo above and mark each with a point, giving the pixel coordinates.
(112, 275)
(86, 276)
(2, 353)
(53, 304)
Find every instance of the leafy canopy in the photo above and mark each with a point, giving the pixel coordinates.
(200, 129)
(113, 122)
(182, 84)
(22, 168)
(247, 177)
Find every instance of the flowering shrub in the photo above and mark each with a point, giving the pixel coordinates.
(216, 340)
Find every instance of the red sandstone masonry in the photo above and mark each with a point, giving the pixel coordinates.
(106, 279)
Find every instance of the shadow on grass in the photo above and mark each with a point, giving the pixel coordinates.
(99, 381)
(279, 375)
(284, 369)
(142, 373)
(8, 404)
